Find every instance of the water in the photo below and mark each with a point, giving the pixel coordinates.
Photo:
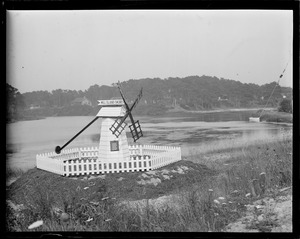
(25, 139)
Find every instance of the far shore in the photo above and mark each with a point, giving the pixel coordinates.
(180, 111)
(220, 110)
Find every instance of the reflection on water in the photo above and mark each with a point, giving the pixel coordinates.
(25, 139)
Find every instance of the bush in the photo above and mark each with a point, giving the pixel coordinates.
(285, 106)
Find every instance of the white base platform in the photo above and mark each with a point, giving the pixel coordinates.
(85, 161)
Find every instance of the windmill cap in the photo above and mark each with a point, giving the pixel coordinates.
(112, 111)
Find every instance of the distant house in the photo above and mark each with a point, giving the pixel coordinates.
(34, 106)
(222, 98)
(287, 95)
(81, 101)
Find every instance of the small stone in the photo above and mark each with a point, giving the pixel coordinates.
(260, 218)
(180, 171)
(143, 175)
(64, 217)
(184, 168)
(259, 202)
(36, 224)
(165, 171)
(259, 206)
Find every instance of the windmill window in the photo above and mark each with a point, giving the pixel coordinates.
(120, 165)
(114, 145)
(104, 165)
(74, 167)
(145, 164)
(84, 167)
(140, 164)
(90, 167)
(115, 165)
(134, 164)
(95, 166)
(100, 166)
(124, 165)
(109, 165)
(70, 169)
(79, 167)
(129, 165)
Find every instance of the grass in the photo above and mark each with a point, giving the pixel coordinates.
(209, 198)
(13, 173)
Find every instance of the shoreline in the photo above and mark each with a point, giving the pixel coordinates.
(25, 119)
(216, 110)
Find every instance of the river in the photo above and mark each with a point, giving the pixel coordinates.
(25, 139)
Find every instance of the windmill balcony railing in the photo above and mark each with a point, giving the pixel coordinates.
(84, 161)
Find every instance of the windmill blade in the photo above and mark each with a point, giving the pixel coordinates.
(122, 95)
(117, 127)
(135, 127)
(136, 131)
(137, 99)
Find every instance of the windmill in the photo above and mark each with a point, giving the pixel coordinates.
(119, 125)
(114, 109)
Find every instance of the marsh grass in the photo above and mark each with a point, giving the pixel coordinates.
(205, 203)
(274, 116)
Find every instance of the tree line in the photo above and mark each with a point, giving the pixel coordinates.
(159, 95)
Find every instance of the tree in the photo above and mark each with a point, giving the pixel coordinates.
(15, 102)
(285, 106)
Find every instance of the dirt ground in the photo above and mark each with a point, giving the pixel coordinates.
(270, 214)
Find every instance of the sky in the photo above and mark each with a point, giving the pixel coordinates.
(48, 50)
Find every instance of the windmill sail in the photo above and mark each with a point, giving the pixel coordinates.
(136, 130)
(119, 125)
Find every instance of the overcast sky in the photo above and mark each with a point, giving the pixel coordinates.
(49, 50)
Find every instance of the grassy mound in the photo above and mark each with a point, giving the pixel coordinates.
(212, 194)
(132, 186)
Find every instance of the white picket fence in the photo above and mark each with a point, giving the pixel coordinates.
(84, 161)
